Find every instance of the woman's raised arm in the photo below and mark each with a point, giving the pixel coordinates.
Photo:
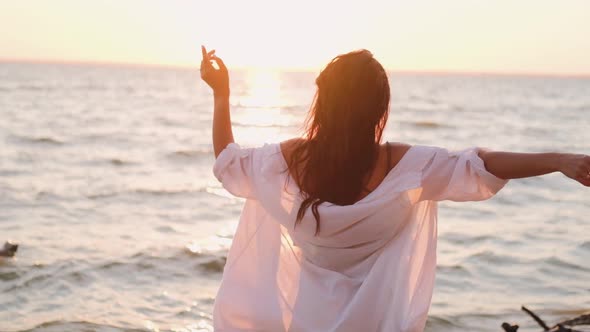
(218, 80)
(510, 165)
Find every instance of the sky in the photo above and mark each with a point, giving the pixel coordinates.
(507, 36)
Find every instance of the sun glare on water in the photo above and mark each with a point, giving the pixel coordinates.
(264, 89)
(260, 114)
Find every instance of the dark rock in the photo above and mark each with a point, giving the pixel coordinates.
(8, 250)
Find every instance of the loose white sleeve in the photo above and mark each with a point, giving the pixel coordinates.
(458, 176)
(234, 168)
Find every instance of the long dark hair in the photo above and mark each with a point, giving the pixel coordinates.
(343, 132)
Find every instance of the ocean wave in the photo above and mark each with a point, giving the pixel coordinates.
(180, 263)
(286, 108)
(145, 192)
(557, 263)
(428, 124)
(202, 325)
(488, 256)
(170, 122)
(437, 323)
(585, 245)
(190, 154)
(166, 229)
(36, 88)
(36, 275)
(163, 192)
(45, 140)
(254, 125)
(13, 172)
(468, 322)
(63, 325)
(453, 269)
(425, 105)
(8, 276)
(102, 195)
(48, 196)
(181, 259)
(120, 162)
(465, 239)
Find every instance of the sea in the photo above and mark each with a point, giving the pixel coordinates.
(106, 184)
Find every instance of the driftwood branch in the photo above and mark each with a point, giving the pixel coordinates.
(559, 327)
(581, 320)
(536, 318)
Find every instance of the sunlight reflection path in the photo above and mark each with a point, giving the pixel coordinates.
(262, 114)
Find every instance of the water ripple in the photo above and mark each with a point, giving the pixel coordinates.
(62, 326)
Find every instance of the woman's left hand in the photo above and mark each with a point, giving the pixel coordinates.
(576, 167)
(217, 79)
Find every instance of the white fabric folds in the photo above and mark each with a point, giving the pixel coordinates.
(372, 265)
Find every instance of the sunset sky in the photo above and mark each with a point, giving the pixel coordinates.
(530, 36)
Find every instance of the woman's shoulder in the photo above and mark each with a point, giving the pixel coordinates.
(396, 151)
(411, 157)
(287, 147)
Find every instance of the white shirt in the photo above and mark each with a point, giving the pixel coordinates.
(372, 265)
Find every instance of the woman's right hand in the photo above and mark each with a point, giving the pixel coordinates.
(217, 79)
(576, 167)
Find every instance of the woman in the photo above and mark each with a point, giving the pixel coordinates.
(338, 231)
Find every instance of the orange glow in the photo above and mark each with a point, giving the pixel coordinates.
(264, 89)
(258, 115)
(459, 35)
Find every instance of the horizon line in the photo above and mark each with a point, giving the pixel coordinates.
(185, 66)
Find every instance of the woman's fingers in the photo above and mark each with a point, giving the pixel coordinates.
(204, 52)
(206, 55)
(219, 62)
